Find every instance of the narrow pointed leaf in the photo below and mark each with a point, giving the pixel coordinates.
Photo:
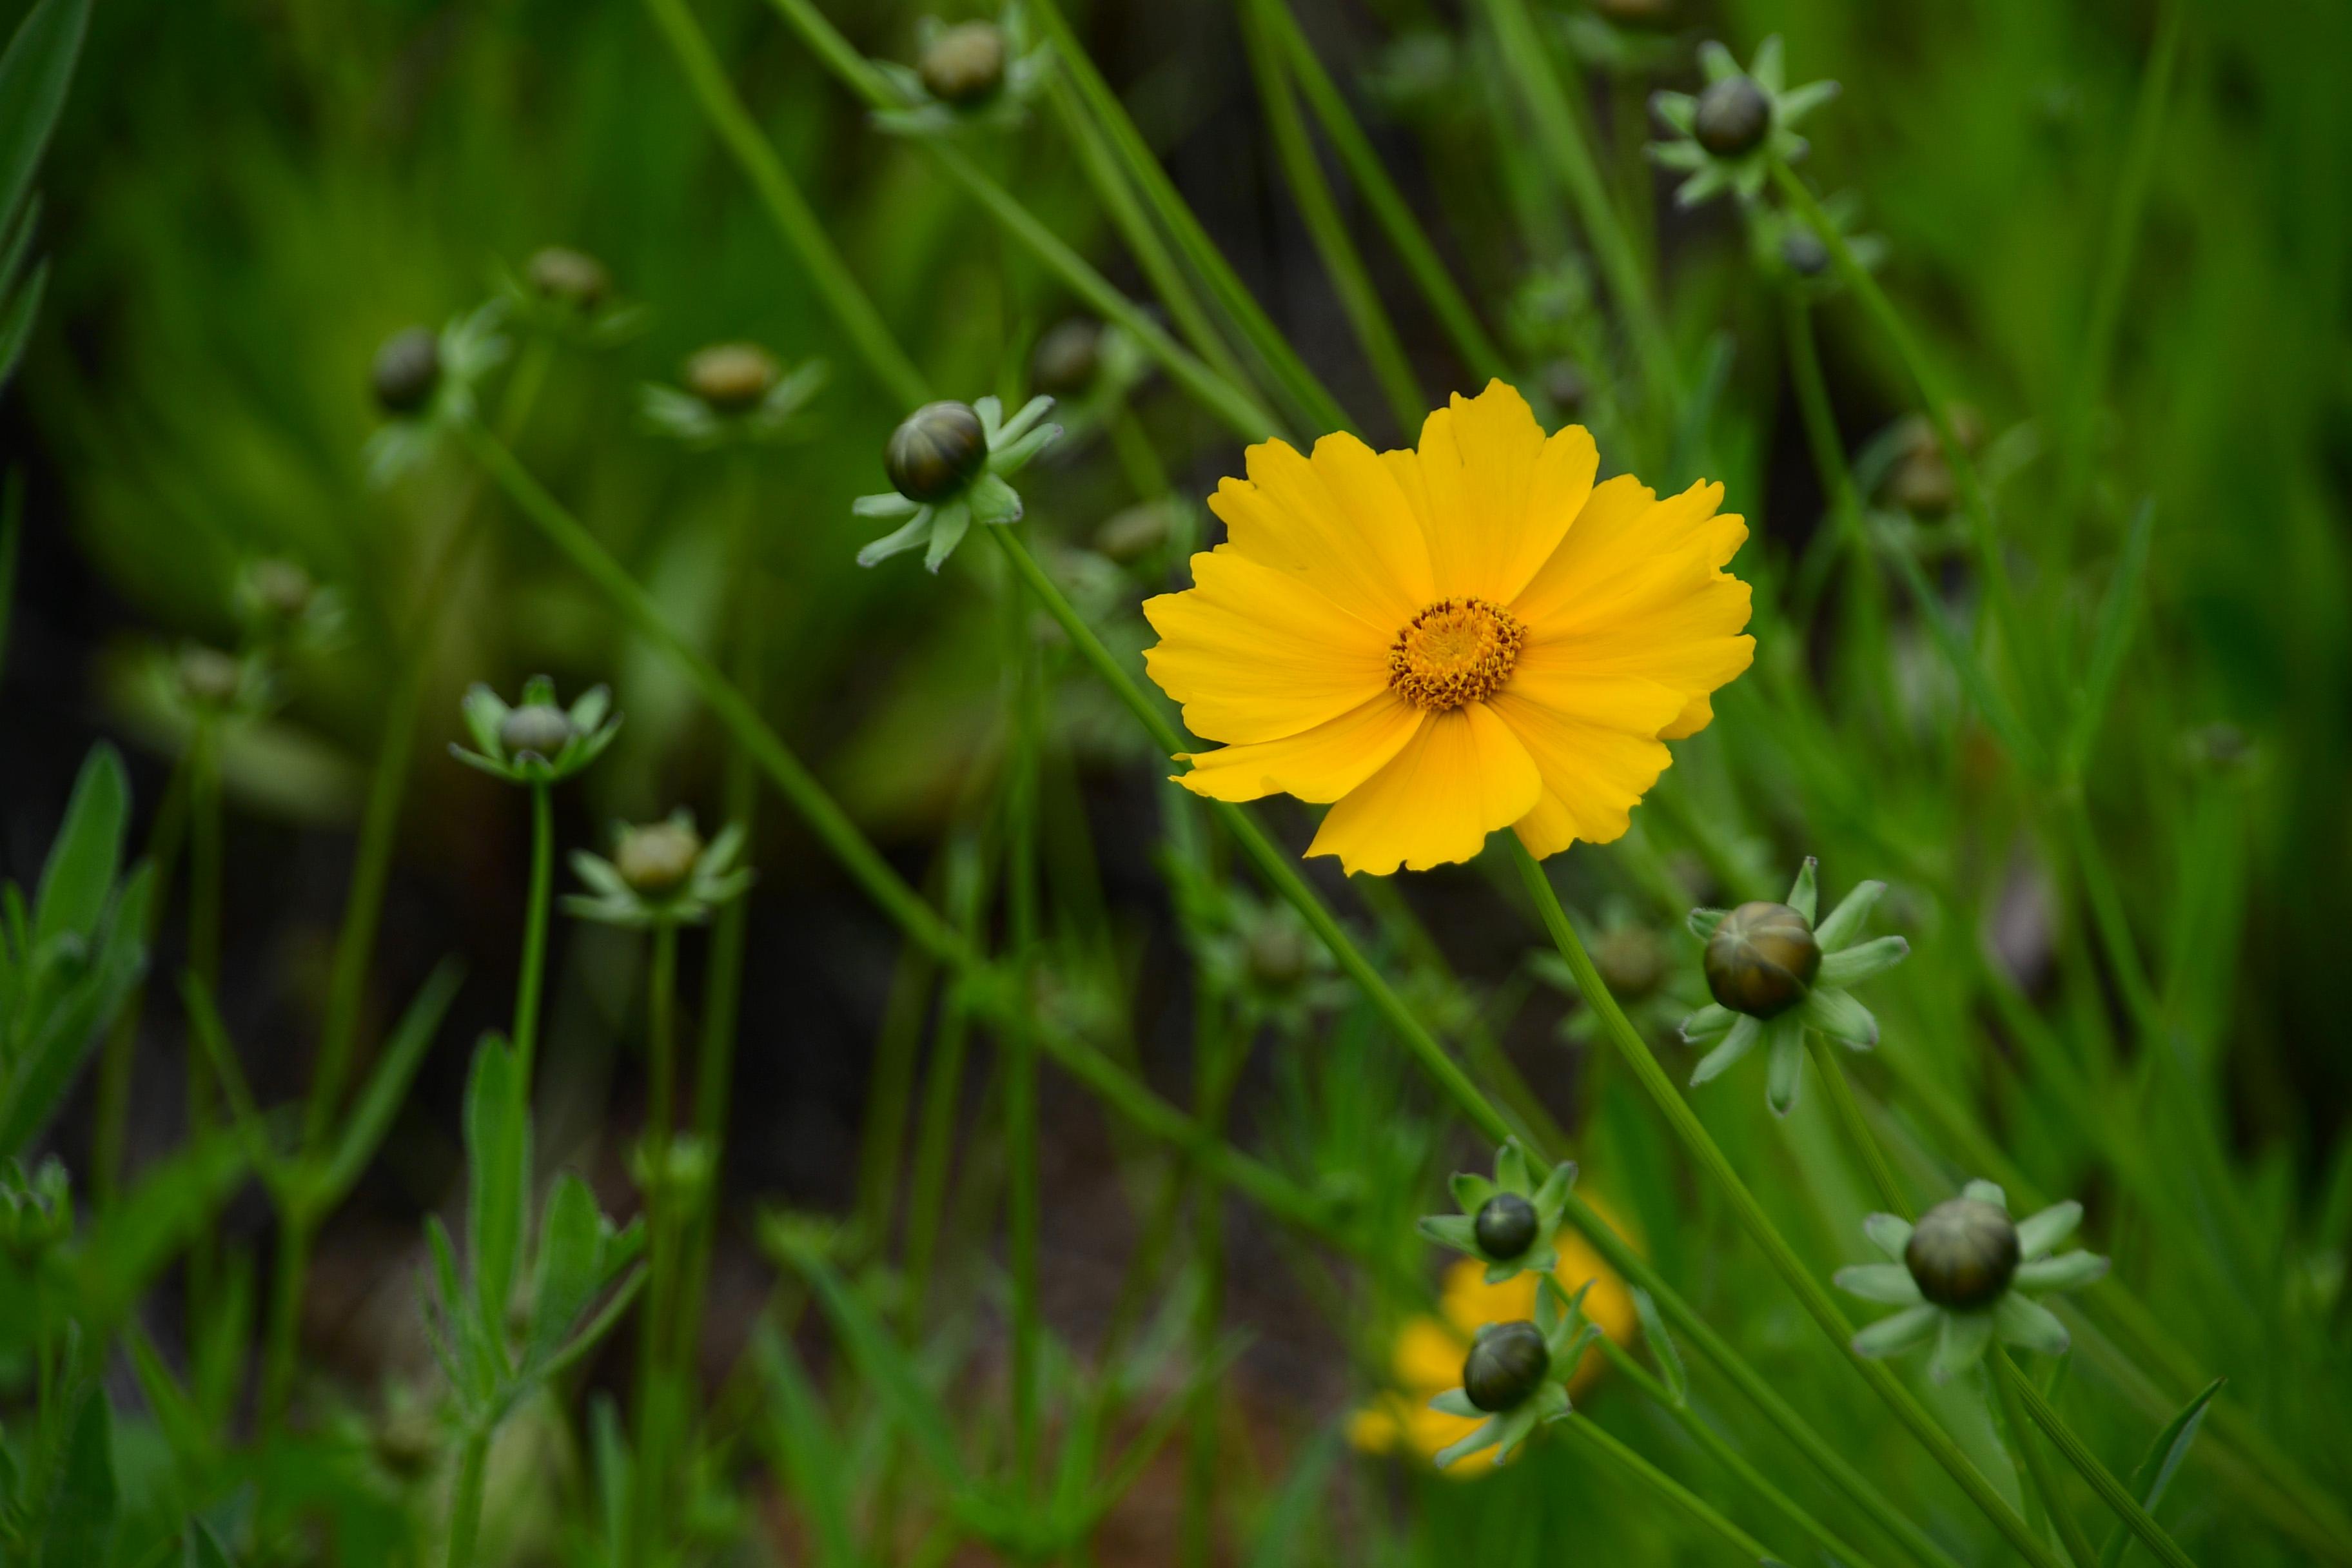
(387, 1086)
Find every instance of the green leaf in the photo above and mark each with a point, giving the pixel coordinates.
(498, 1155)
(184, 1425)
(1662, 1346)
(387, 1086)
(883, 1362)
(17, 314)
(2110, 641)
(80, 1522)
(34, 76)
(204, 1548)
(2155, 1472)
(80, 876)
(810, 1453)
(569, 1272)
(72, 1023)
(131, 1241)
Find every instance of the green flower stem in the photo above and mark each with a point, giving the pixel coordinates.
(1832, 1072)
(1218, 1051)
(2113, 926)
(967, 894)
(655, 1385)
(165, 838)
(2078, 423)
(1282, 874)
(1301, 165)
(1323, 412)
(1730, 1458)
(204, 812)
(2005, 1379)
(1596, 1444)
(1991, 568)
(794, 219)
(1528, 60)
(1810, 1291)
(1149, 248)
(466, 1506)
(1869, 592)
(2075, 1452)
(1019, 1038)
(1237, 407)
(297, 1230)
(535, 930)
(1389, 207)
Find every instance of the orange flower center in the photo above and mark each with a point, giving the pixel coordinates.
(1455, 651)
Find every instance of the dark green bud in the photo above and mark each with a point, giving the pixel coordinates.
(656, 860)
(408, 368)
(935, 451)
(1505, 1225)
(1564, 384)
(1733, 117)
(283, 589)
(209, 677)
(1802, 252)
(1762, 959)
(1066, 357)
(570, 278)
(541, 727)
(964, 65)
(1133, 533)
(732, 377)
(1963, 1253)
(1633, 961)
(1509, 1362)
(1277, 957)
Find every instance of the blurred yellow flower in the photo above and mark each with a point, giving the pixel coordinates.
(1451, 640)
(1426, 1358)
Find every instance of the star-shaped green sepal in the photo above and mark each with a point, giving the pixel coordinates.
(1730, 135)
(1507, 1222)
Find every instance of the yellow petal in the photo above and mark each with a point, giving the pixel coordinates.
(1462, 776)
(1334, 522)
(1592, 774)
(1318, 764)
(1493, 493)
(1255, 655)
(1622, 531)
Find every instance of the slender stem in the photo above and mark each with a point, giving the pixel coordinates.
(1299, 384)
(1598, 1444)
(535, 930)
(1529, 62)
(1389, 207)
(1219, 1048)
(204, 812)
(1350, 280)
(2075, 1452)
(2037, 1464)
(1236, 406)
(2079, 424)
(466, 1505)
(1828, 451)
(2113, 925)
(1730, 1458)
(12, 538)
(795, 220)
(1809, 1291)
(164, 839)
(1020, 1139)
(1282, 877)
(297, 1229)
(661, 1048)
(1832, 1072)
(655, 1384)
(967, 877)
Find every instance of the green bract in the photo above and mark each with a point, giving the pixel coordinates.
(504, 737)
(709, 879)
(948, 90)
(1826, 1004)
(1742, 171)
(1560, 1319)
(2008, 1313)
(937, 526)
(773, 415)
(1472, 1193)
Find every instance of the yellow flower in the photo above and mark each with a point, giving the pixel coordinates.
(1426, 1357)
(1448, 641)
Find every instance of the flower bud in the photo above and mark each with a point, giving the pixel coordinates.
(541, 729)
(656, 860)
(1633, 961)
(1762, 959)
(1508, 1363)
(1133, 533)
(935, 451)
(1505, 1225)
(407, 1441)
(1962, 1253)
(964, 65)
(1732, 117)
(1277, 957)
(283, 589)
(208, 678)
(570, 278)
(1065, 359)
(408, 368)
(1802, 252)
(1564, 384)
(732, 377)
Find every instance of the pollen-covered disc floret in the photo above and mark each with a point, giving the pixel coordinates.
(1455, 651)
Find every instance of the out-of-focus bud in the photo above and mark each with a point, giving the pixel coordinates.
(935, 451)
(1564, 382)
(207, 677)
(408, 368)
(567, 277)
(539, 727)
(1133, 533)
(964, 65)
(1963, 1253)
(1734, 117)
(1065, 359)
(732, 377)
(656, 859)
(1633, 961)
(1802, 252)
(1762, 959)
(1508, 1363)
